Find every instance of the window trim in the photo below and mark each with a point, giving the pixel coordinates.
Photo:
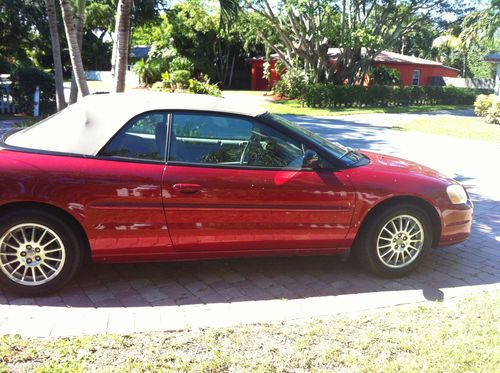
(413, 77)
(257, 119)
(98, 155)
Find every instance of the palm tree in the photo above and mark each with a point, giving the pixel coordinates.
(122, 36)
(119, 58)
(80, 18)
(74, 51)
(56, 54)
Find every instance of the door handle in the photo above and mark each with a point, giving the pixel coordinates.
(187, 188)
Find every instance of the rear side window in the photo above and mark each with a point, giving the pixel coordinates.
(229, 140)
(144, 137)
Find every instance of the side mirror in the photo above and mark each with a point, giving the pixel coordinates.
(310, 159)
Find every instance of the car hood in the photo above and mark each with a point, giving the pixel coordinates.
(390, 164)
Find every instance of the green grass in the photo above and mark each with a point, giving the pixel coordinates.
(294, 107)
(472, 128)
(460, 335)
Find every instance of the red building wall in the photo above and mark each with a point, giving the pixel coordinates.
(405, 71)
(258, 81)
(426, 71)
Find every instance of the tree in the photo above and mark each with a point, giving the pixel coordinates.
(56, 54)
(74, 50)
(80, 19)
(361, 29)
(469, 39)
(301, 27)
(24, 31)
(122, 37)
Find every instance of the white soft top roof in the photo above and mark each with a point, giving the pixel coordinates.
(85, 127)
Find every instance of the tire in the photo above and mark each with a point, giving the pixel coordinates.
(39, 252)
(393, 249)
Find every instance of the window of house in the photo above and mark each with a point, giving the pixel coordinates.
(144, 137)
(229, 140)
(415, 80)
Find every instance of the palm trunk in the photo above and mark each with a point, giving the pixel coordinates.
(123, 20)
(56, 54)
(74, 51)
(80, 17)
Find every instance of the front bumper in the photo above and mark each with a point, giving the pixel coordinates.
(456, 222)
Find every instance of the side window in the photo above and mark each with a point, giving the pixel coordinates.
(144, 137)
(228, 140)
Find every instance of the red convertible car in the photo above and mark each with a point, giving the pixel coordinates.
(160, 177)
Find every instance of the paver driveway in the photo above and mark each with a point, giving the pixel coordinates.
(165, 296)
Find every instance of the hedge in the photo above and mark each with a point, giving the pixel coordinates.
(328, 95)
(24, 81)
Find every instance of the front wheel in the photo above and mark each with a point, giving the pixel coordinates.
(394, 241)
(39, 252)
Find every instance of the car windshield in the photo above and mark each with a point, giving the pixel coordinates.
(339, 151)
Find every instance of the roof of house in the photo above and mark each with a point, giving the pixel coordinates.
(85, 127)
(392, 57)
(492, 57)
(382, 57)
(140, 51)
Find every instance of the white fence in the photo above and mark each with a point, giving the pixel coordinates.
(469, 83)
(131, 79)
(6, 101)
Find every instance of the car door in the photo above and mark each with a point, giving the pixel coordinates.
(123, 191)
(235, 183)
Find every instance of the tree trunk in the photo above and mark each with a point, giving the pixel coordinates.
(123, 20)
(80, 18)
(115, 46)
(56, 54)
(74, 51)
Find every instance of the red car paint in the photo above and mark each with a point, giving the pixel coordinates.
(137, 211)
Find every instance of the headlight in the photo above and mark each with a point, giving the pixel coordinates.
(457, 194)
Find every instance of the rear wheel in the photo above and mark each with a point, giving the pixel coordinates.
(39, 252)
(394, 241)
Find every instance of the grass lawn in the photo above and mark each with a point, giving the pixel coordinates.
(472, 128)
(294, 107)
(460, 335)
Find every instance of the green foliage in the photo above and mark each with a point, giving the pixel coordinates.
(181, 63)
(493, 115)
(328, 95)
(180, 79)
(382, 75)
(4, 65)
(203, 86)
(293, 83)
(482, 104)
(150, 70)
(24, 81)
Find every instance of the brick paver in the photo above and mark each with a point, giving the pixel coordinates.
(167, 296)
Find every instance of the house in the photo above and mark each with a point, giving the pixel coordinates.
(493, 58)
(413, 70)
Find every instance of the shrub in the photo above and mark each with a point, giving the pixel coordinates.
(5, 66)
(163, 86)
(203, 86)
(180, 79)
(382, 75)
(181, 63)
(24, 82)
(281, 88)
(482, 104)
(493, 114)
(327, 95)
(149, 70)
